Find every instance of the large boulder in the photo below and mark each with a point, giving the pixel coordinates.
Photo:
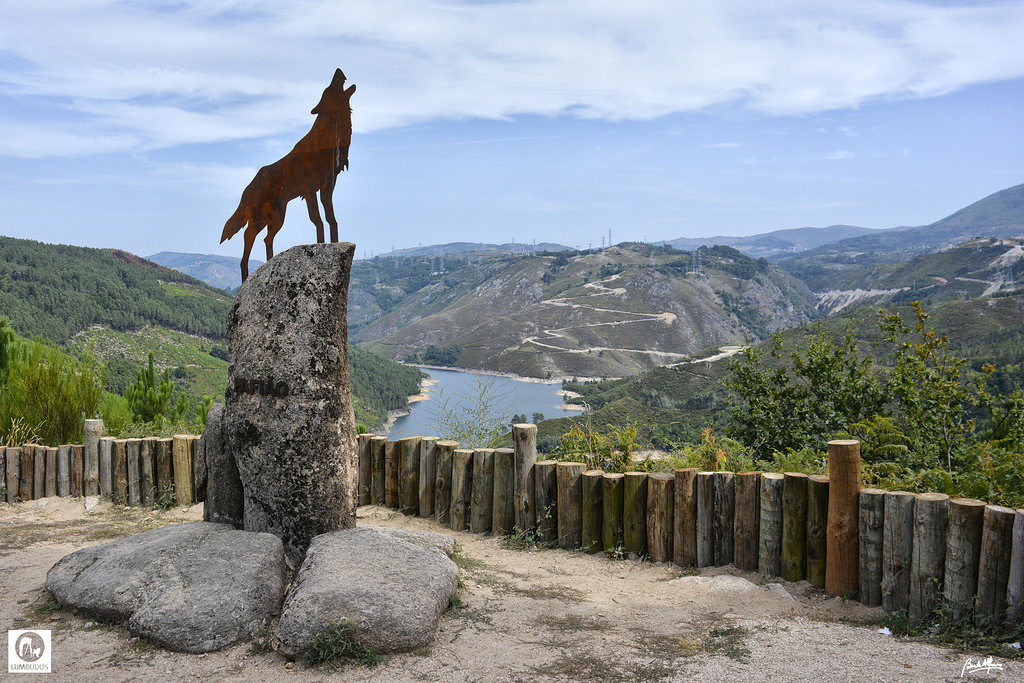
(223, 487)
(288, 421)
(427, 539)
(390, 591)
(193, 587)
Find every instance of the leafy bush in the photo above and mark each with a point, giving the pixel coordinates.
(611, 451)
(713, 454)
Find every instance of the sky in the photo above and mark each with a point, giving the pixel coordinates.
(137, 125)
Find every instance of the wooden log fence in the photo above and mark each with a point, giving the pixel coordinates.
(907, 552)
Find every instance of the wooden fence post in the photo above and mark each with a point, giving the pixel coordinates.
(27, 488)
(13, 454)
(197, 457)
(64, 470)
(524, 441)
(393, 474)
(133, 450)
(872, 518)
(994, 564)
(164, 458)
(794, 526)
(119, 471)
(77, 470)
(93, 432)
(963, 550)
(39, 473)
(378, 468)
(611, 512)
(363, 449)
(634, 513)
(1015, 582)
(182, 468)
(51, 472)
(410, 485)
(3, 471)
(147, 470)
(705, 519)
(928, 557)
(684, 517)
(570, 489)
(546, 497)
(897, 550)
(769, 542)
(106, 465)
(481, 511)
(817, 525)
(503, 516)
(723, 517)
(592, 511)
(747, 520)
(843, 556)
(660, 509)
(443, 481)
(428, 475)
(462, 488)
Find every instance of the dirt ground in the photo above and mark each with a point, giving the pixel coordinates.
(524, 615)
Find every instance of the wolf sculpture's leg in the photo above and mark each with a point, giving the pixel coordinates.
(314, 215)
(327, 199)
(250, 237)
(275, 221)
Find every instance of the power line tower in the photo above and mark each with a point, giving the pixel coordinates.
(609, 237)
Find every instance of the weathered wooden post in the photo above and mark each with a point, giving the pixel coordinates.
(592, 511)
(503, 516)
(481, 511)
(769, 542)
(817, 525)
(634, 513)
(39, 473)
(872, 518)
(147, 470)
(428, 475)
(133, 450)
(3, 472)
(197, 454)
(723, 517)
(546, 497)
(378, 468)
(1015, 582)
(93, 432)
(51, 471)
(164, 470)
(524, 441)
(611, 512)
(568, 476)
(897, 550)
(393, 474)
(119, 469)
(660, 513)
(705, 519)
(684, 517)
(994, 564)
(410, 484)
(843, 561)
(963, 550)
(747, 520)
(443, 481)
(928, 557)
(64, 470)
(363, 450)
(794, 526)
(106, 466)
(182, 466)
(13, 455)
(77, 470)
(462, 488)
(26, 488)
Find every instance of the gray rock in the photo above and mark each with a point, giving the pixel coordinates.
(224, 497)
(392, 592)
(192, 587)
(288, 421)
(427, 539)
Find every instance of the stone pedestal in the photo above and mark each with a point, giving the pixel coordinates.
(288, 421)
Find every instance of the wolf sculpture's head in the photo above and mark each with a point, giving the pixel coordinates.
(336, 97)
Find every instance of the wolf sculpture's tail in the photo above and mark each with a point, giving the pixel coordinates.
(238, 219)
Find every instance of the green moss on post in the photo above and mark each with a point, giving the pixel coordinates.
(611, 512)
(794, 526)
(592, 512)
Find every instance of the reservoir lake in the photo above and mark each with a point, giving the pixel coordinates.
(521, 397)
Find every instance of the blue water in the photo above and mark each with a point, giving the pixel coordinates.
(519, 397)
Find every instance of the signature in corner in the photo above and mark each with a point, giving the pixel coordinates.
(986, 665)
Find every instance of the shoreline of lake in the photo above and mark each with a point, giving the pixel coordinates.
(508, 375)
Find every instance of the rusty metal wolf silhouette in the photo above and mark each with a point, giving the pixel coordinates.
(312, 166)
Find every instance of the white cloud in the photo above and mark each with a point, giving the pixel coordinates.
(117, 76)
(723, 145)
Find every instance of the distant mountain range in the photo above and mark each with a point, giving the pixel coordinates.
(776, 243)
(218, 271)
(475, 247)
